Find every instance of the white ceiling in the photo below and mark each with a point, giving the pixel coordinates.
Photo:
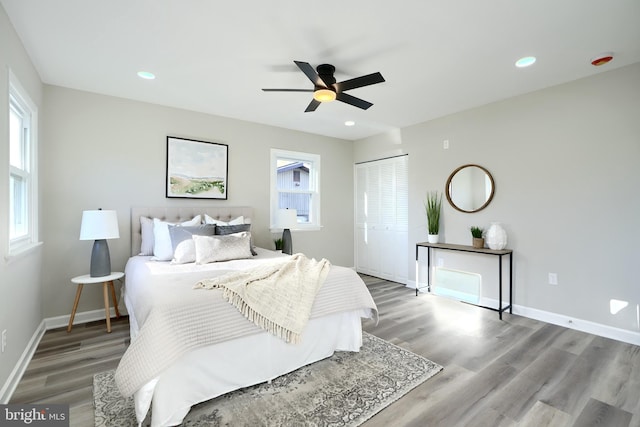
(438, 57)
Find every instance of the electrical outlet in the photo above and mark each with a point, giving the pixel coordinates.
(4, 340)
(553, 279)
(440, 262)
(445, 144)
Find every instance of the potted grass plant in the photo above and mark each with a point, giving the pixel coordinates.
(478, 239)
(278, 242)
(433, 206)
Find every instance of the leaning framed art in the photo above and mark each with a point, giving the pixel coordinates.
(196, 169)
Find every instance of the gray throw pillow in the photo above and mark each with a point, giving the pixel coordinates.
(223, 230)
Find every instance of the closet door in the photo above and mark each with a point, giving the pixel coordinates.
(386, 226)
(368, 224)
(382, 219)
(401, 234)
(361, 232)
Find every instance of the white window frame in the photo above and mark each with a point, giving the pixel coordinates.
(314, 187)
(20, 102)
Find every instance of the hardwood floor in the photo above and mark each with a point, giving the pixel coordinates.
(63, 366)
(515, 372)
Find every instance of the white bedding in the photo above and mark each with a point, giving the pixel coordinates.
(142, 292)
(210, 370)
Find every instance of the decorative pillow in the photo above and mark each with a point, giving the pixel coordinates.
(184, 249)
(223, 230)
(236, 221)
(222, 248)
(162, 248)
(146, 229)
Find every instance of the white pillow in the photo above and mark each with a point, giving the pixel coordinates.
(184, 248)
(185, 252)
(146, 230)
(162, 247)
(222, 248)
(235, 221)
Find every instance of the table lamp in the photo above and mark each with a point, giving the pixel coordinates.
(286, 219)
(99, 226)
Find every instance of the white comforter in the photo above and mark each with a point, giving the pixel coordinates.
(170, 318)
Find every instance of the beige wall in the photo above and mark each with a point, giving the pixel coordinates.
(20, 311)
(565, 163)
(106, 152)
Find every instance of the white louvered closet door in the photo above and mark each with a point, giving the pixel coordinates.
(382, 218)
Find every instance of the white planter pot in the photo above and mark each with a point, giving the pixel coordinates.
(433, 238)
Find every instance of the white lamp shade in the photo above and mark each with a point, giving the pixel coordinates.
(97, 225)
(286, 218)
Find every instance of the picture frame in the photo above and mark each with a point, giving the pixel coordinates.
(196, 169)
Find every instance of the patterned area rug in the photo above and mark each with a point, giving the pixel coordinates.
(345, 389)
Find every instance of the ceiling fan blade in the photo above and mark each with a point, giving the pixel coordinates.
(369, 79)
(308, 70)
(352, 100)
(312, 106)
(287, 90)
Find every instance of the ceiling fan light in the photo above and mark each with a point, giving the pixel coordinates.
(324, 95)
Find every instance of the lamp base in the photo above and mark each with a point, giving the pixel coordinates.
(287, 246)
(100, 259)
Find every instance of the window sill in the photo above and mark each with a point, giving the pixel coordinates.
(310, 228)
(21, 251)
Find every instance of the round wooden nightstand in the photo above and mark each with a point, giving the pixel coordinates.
(107, 283)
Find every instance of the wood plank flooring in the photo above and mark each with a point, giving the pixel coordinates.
(63, 366)
(515, 372)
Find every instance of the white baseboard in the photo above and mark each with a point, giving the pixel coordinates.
(14, 378)
(84, 317)
(49, 323)
(624, 335)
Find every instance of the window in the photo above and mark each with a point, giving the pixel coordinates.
(295, 184)
(22, 169)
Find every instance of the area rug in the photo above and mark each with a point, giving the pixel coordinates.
(345, 389)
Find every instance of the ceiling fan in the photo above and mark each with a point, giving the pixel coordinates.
(326, 89)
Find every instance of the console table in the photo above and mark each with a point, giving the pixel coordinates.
(463, 248)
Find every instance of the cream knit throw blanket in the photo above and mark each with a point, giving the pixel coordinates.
(277, 297)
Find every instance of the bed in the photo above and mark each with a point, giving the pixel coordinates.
(190, 345)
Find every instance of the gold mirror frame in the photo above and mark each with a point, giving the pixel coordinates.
(447, 189)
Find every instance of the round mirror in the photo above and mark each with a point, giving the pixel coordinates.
(470, 188)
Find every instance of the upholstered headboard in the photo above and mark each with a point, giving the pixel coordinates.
(179, 214)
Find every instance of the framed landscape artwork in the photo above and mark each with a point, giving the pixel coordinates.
(196, 169)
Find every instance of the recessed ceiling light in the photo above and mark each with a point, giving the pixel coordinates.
(525, 62)
(349, 123)
(146, 75)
